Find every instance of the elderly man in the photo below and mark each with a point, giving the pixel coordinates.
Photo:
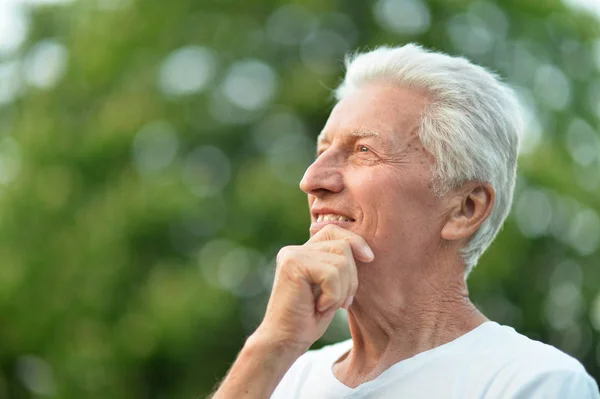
(413, 179)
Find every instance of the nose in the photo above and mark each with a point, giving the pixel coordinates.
(323, 176)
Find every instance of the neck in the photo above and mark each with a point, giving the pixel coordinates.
(397, 319)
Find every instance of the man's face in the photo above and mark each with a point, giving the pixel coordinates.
(372, 176)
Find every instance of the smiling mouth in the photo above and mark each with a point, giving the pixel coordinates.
(322, 220)
(333, 218)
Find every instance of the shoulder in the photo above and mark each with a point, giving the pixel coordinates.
(532, 369)
(520, 349)
(567, 379)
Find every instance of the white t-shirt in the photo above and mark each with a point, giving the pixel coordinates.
(492, 361)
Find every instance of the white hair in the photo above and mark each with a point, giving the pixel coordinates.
(471, 125)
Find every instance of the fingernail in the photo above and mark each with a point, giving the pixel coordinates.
(368, 252)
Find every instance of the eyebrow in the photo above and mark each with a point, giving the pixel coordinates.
(354, 133)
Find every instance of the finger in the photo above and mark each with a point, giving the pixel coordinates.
(329, 273)
(330, 281)
(353, 280)
(352, 277)
(346, 270)
(360, 248)
(341, 247)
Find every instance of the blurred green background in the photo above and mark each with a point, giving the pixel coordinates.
(150, 154)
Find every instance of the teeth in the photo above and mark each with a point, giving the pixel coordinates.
(336, 218)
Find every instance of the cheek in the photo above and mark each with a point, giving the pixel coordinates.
(379, 197)
(400, 197)
(393, 192)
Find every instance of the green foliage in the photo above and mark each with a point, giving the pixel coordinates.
(139, 215)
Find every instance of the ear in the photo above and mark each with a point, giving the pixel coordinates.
(469, 210)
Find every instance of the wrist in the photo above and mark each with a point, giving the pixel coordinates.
(271, 345)
(259, 367)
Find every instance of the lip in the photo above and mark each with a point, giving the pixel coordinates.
(315, 227)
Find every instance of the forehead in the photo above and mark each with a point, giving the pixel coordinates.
(390, 113)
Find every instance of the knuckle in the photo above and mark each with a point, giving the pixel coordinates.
(337, 248)
(341, 261)
(334, 274)
(343, 243)
(285, 255)
(346, 251)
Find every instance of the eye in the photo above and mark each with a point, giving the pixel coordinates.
(362, 148)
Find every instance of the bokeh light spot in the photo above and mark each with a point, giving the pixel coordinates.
(405, 17)
(589, 6)
(584, 232)
(187, 70)
(532, 133)
(563, 305)
(493, 17)
(155, 147)
(13, 26)
(290, 24)
(10, 81)
(533, 212)
(323, 51)
(250, 84)
(567, 270)
(289, 157)
(563, 211)
(523, 63)
(36, 374)
(341, 24)
(593, 97)
(233, 268)
(582, 142)
(210, 256)
(45, 63)
(470, 34)
(552, 87)
(273, 127)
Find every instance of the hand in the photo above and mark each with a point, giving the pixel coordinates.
(312, 281)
